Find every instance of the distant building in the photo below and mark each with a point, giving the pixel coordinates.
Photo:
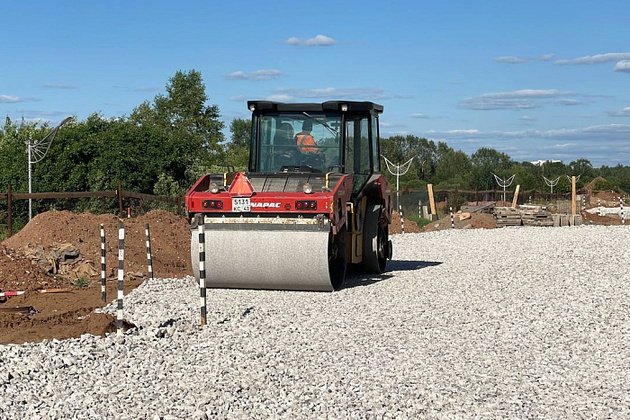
(542, 162)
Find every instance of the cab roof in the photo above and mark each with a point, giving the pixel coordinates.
(334, 106)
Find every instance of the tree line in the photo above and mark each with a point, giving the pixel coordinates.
(165, 144)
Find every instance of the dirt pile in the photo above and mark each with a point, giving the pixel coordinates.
(57, 233)
(476, 221)
(395, 226)
(17, 272)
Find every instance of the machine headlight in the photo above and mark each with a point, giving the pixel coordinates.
(214, 188)
(307, 188)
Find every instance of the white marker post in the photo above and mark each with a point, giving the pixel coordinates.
(147, 234)
(121, 276)
(202, 271)
(450, 209)
(103, 267)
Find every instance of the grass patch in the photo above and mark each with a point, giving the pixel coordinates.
(420, 221)
(82, 282)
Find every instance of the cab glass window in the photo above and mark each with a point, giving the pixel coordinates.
(289, 142)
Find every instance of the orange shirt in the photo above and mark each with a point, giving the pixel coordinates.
(306, 143)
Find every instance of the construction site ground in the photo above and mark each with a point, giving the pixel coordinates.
(33, 260)
(69, 311)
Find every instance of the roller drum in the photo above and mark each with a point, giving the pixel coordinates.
(264, 257)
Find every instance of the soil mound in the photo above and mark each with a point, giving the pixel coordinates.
(170, 241)
(395, 226)
(476, 221)
(18, 273)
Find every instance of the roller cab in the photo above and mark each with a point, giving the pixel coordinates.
(312, 202)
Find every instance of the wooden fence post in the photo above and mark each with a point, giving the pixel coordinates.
(119, 193)
(10, 210)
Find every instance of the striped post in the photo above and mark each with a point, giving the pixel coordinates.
(202, 271)
(419, 209)
(402, 219)
(12, 293)
(622, 213)
(147, 234)
(103, 267)
(450, 209)
(599, 207)
(121, 274)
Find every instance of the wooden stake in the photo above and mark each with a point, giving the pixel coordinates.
(573, 197)
(515, 199)
(431, 199)
(10, 210)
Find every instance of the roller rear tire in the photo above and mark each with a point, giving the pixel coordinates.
(375, 240)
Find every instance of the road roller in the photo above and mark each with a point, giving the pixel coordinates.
(311, 204)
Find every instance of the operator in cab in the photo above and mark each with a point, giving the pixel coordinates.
(305, 141)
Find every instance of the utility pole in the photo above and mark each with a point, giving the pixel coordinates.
(36, 151)
(504, 182)
(401, 169)
(551, 183)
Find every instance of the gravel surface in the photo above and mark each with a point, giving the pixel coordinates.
(512, 322)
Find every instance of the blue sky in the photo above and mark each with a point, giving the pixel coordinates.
(534, 79)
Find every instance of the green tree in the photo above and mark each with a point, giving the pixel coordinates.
(582, 167)
(237, 149)
(486, 161)
(400, 149)
(191, 129)
(453, 168)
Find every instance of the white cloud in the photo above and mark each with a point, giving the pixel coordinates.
(517, 99)
(526, 93)
(149, 89)
(570, 102)
(331, 93)
(31, 113)
(59, 86)
(512, 59)
(560, 146)
(390, 127)
(263, 74)
(528, 118)
(466, 132)
(609, 131)
(623, 66)
(605, 144)
(316, 41)
(622, 60)
(420, 115)
(237, 98)
(624, 112)
(9, 99)
(280, 98)
(597, 58)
